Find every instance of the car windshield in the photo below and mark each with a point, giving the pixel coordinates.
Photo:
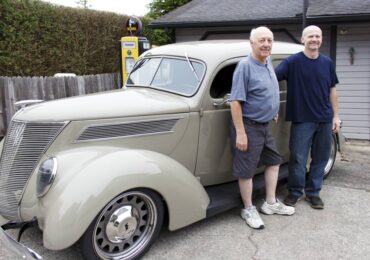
(180, 76)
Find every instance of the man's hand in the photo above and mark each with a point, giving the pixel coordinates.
(336, 124)
(276, 118)
(242, 142)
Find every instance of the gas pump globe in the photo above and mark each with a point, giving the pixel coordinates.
(132, 46)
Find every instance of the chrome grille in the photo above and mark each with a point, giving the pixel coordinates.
(24, 145)
(127, 129)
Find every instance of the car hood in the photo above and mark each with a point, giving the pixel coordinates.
(112, 104)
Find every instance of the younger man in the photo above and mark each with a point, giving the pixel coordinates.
(312, 107)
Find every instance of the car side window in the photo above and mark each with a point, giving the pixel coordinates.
(221, 84)
(282, 84)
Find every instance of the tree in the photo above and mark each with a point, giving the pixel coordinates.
(158, 8)
(83, 3)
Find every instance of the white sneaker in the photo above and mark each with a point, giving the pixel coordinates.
(252, 218)
(277, 208)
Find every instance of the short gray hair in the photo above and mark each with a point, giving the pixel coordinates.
(254, 32)
(310, 27)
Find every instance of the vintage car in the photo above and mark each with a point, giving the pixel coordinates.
(109, 169)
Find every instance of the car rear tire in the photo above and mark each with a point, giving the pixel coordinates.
(333, 154)
(125, 228)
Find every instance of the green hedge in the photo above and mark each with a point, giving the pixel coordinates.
(38, 38)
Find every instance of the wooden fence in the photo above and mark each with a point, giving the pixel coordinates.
(13, 89)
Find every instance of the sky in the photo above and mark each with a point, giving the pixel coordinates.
(128, 7)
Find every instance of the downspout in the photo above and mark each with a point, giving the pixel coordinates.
(173, 35)
(333, 44)
(304, 14)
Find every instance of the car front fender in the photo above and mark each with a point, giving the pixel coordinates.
(88, 178)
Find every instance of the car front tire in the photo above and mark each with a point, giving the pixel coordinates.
(125, 228)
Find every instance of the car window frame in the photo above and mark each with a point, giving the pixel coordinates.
(176, 57)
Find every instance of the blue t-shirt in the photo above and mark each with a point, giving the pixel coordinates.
(255, 85)
(309, 82)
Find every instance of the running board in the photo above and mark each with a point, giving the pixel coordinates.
(227, 196)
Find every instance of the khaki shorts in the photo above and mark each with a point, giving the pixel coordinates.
(261, 148)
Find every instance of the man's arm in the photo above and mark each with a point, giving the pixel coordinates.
(237, 117)
(281, 71)
(334, 105)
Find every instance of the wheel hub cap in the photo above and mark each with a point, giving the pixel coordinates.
(122, 224)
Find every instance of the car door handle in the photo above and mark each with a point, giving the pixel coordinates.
(224, 102)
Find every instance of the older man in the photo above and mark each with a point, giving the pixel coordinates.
(254, 103)
(312, 107)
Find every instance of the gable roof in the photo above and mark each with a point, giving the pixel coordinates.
(201, 13)
(338, 7)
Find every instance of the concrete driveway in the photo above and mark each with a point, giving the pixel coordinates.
(340, 231)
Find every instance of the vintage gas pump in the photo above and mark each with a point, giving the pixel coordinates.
(132, 46)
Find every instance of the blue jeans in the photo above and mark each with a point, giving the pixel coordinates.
(303, 137)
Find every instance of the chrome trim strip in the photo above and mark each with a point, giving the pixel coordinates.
(122, 132)
(119, 137)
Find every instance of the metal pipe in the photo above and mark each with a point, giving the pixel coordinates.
(304, 13)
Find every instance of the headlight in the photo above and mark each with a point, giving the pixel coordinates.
(45, 176)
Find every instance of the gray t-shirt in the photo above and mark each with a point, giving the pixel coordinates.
(256, 87)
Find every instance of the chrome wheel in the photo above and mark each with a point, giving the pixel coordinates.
(126, 227)
(333, 153)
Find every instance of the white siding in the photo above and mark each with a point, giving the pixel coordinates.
(354, 80)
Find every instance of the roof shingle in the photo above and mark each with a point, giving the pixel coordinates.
(244, 11)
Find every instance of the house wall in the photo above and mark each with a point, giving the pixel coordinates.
(354, 80)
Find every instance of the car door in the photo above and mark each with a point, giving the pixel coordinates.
(214, 159)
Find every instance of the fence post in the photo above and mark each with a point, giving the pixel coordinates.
(8, 101)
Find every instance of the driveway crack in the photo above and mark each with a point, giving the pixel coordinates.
(255, 244)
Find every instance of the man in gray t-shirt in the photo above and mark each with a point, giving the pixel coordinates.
(254, 103)
(255, 85)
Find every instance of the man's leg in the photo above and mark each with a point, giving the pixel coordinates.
(246, 187)
(272, 205)
(249, 213)
(320, 153)
(301, 135)
(272, 159)
(271, 177)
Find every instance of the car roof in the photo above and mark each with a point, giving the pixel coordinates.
(218, 49)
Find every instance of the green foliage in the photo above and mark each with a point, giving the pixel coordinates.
(155, 36)
(159, 8)
(37, 38)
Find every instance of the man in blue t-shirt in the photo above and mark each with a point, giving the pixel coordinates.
(254, 103)
(312, 107)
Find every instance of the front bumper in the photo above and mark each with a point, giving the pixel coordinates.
(16, 247)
